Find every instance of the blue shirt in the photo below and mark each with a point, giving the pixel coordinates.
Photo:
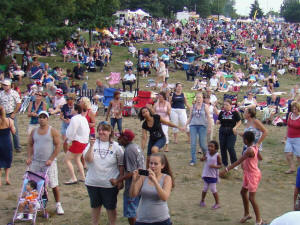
(298, 178)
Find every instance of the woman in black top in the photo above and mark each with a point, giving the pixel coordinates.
(152, 123)
(230, 120)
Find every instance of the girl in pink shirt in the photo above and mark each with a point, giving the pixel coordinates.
(251, 179)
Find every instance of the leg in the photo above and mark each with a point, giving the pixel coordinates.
(174, 119)
(165, 129)
(222, 140)
(193, 130)
(244, 194)
(68, 161)
(112, 216)
(7, 176)
(56, 194)
(96, 215)
(113, 122)
(16, 136)
(119, 124)
(154, 149)
(182, 121)
(213, 189)
(230, 146)
(203, 139)
(131, 221)
(80, 166)
(123, 84)
(290, 160)
(255, 206)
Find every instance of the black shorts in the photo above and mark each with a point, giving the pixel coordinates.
(103, 196)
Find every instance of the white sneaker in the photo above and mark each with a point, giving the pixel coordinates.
(59, 209)
(192, 164)
(20, 216)
(236, 168)
(30, 216)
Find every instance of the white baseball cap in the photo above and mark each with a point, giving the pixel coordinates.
(44, 113)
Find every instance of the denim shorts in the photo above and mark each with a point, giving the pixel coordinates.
(130, 206)
(63, 129)
(293, 145)
(158, 143)
(165, 222)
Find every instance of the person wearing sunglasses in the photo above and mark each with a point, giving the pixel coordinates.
(35, 107)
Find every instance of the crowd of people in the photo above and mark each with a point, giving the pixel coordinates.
(216, 56)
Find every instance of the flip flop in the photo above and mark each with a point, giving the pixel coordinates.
(289, 171)
(245, 218)
(260, 223)
(70, 182)
(81, 180)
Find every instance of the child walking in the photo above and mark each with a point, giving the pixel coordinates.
(210, 173)
(251, 179)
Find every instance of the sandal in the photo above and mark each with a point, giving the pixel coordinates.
(289, 171)
(245, 218)
(70, 182)
(260, 223)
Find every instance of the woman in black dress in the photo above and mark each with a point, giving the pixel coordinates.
(6, 127)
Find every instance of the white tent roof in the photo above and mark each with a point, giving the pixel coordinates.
(141, 13)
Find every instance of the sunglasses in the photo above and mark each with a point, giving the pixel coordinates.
(38, 94)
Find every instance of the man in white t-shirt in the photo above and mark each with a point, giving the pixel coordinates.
(128, 79)
(213, 98)
(213, 82)
(290, 218)
(18, 74)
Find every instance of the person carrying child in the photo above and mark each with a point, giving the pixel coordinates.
(210, 173)
(29, 199)
(251, 179)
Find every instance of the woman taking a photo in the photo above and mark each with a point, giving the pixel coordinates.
(200, 124)
(292, 145)
(154, 190)
(153, 124)
(230, 120)
(163, 108)
(104, 158)
(178, 112)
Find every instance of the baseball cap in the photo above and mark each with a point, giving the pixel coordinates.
(6, 82)
(59, 92)
(44, 113)
(128, 134)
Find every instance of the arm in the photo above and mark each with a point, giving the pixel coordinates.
(164, 191)
(108, 111)
(264, 131)
(29, 114)
(190, 118)
(12, 126)
(144, 138)
(136, 185)
(209, 120)
(248, 154)
(168, 109)
(163, 121)
(92, 117)
(56, 143)
(89, 155)
(236, 127)
(185, 103)
(30, 148)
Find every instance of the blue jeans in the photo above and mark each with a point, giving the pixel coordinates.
(113, 122)
(201, 131)
(16, 135)
(158, 143)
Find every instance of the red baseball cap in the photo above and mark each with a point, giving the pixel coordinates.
(128, 134)
(59, 92)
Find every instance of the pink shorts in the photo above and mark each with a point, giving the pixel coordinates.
(251, 181)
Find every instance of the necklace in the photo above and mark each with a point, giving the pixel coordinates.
(104, 152)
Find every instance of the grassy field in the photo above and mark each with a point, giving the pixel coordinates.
(275, 194)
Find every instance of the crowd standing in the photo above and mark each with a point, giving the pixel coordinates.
(218, 56)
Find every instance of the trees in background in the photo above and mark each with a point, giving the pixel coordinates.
(290, 11)
(255, 10)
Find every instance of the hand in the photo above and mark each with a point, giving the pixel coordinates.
(92, 141)
(234, 131)
(203, 158)
(212, 166)
(222, 173)
(48, 162)
(12, 116)
(135, 176)
(120, 185)
(182, 129)
(208, 130)
(28, 161)
(114, 182)
(152, 176)
(67, 120)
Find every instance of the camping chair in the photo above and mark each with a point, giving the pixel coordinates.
(108, 96)
(146, 51)
(142, 99)
(87, 93)
(265, 68)
(113, 79)
(36, 73)
(186, 66)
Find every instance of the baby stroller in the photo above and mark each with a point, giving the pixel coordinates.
(41, 180)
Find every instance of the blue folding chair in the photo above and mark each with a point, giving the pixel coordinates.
(108, 96)
(185, 66)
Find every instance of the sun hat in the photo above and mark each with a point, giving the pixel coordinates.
(6, 82)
